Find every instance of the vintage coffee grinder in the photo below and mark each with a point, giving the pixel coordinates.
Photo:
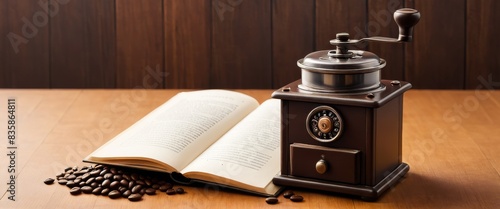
(342, 124)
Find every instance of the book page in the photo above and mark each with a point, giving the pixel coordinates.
(248, 154)
(178, 131)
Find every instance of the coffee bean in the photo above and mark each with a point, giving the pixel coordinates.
(155, 186)
(95, 173)
(80, 172)
(163, 188)
(82, 183)
(104, 171)
(288, 193)
(170, 191)
(75, 191)
(134, 176)
(126, 177)
(71, 184)
(62, 181)
(140, 182)
(77, 180)
(131, 184)
(71, 177)
(85, 176)
(296, 198)
(68, 169)
(105, 191)
(150, 191)
(136, 189)
(114, 185)
(106, 183)
(126, 193)
(117, 177)
(179, 190)
(89, 181)
(108, 176)
(60, 175)
(114, 194)
(271, 200)
(49, 181)
(94, 185)
(86, 189)
(122, 189)
(135, 197)
(97, 191)
(124, 182)
(143, 191)
(113, 171)
(148, 182)
(99, 166)
(99, 179)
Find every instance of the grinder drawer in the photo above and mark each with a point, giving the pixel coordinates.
(312, 161)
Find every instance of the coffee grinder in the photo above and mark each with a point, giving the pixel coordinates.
(342, 124)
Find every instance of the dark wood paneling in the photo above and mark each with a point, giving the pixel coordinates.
(82, 45)
(483, 40)
(24, 59)
(187, 43)
(436, 57)
(236, 43)
(381, 23)
(241, 44)
(293, 38)
(139, 37)
(336, 16)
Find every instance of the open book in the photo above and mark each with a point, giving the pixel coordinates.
(216, 136)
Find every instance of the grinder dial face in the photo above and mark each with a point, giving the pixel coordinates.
(324, 124)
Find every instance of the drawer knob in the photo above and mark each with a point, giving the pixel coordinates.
(321, 166)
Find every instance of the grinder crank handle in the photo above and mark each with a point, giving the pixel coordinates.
(406, 18)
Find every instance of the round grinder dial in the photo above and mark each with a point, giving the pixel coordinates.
(324, 124)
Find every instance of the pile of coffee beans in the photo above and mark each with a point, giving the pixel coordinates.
(114, 182)
(288, 194)
(133, 184)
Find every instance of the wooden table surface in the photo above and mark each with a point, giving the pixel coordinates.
(451, 140)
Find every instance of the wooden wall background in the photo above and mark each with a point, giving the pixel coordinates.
(236, 43)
